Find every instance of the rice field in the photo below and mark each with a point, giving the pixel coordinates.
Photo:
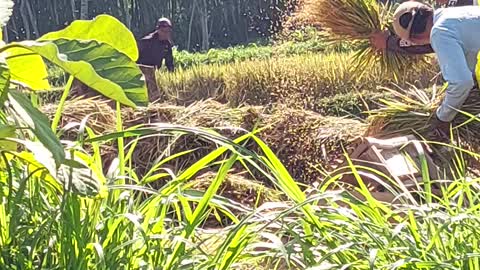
(299, 81)
(214, 177)
(237, 167)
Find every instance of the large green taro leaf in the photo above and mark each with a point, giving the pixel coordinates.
(103, 29)
(98, 65)
(27, 68)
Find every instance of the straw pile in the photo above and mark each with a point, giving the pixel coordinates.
(101, 118)
(355, 21)
(206, 114)
(409, 111)
(305, 142)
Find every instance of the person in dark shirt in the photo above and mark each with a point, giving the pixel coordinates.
(391, 42)
(157, 46)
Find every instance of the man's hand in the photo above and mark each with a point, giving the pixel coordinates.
(378, 40)
(440, 129)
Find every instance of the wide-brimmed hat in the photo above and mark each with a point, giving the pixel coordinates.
(403, 18)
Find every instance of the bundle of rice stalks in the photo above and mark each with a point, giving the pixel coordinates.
(355, 21)
(351, 19)
(410, 110)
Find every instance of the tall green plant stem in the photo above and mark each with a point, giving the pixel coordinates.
(58, 113)
(121, 145)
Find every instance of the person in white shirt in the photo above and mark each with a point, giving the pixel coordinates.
(454, 34)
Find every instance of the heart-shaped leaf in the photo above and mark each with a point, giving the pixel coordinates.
(98, 65)
(103, 29)
(27, 68)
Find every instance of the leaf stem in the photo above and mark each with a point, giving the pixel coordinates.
(121, 144)
(58, 113)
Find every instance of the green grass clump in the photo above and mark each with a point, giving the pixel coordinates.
(203, 216)
(314, 44)
(182, 226)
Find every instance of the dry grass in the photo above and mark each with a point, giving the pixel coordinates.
(207, 114)
(101, 118)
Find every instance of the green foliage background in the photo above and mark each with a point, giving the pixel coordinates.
(229, 22)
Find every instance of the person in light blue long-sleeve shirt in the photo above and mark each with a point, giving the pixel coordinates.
(454, 34)
(455, 38)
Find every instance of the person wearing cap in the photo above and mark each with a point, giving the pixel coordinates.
(156, 47)
(454, 36)
(387, 40)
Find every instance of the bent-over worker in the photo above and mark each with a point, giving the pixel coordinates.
(389, 41)
(454, 34)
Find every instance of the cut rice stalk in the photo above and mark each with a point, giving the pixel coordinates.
(410, 110)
